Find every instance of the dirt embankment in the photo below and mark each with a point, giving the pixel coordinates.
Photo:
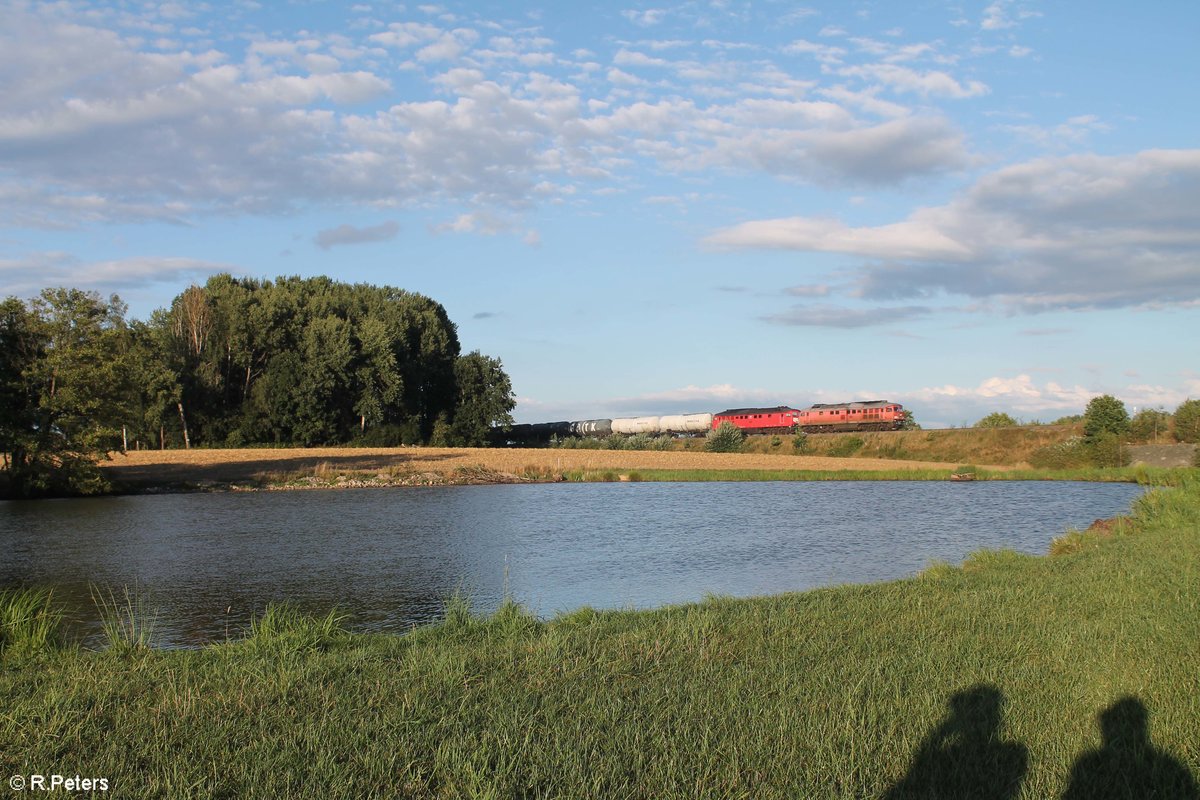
(1163, 455)
(399, 465)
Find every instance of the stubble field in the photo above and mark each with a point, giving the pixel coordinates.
(264, 464)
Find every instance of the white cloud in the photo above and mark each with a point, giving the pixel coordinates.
(29, 274)
(97, 127)
(1074, 232)
(646, 18)
(928, 84)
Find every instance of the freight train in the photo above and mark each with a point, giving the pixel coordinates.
(870, 415)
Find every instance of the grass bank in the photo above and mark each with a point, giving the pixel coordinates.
(1076, 675)
(1144, 476)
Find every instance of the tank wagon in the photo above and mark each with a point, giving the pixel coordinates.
(599, 428)
(869, 415)
(671, 423)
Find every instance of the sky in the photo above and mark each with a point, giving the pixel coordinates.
(647, 208)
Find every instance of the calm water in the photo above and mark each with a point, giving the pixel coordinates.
(390, 557)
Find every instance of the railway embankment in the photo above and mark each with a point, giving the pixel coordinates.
(1010, 674)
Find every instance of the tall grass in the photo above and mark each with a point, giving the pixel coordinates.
(283, 626)
(128, 618)
(29, 621)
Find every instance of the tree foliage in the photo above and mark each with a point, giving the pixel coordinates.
(1149, 424)
(297, 361)
(64, 375)
(909, 422)
(485, 399)
(1105, 414)
(1187, 421)
(997, 419)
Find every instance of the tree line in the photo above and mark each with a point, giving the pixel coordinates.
(236, 362)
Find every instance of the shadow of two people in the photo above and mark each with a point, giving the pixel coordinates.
(964, 757)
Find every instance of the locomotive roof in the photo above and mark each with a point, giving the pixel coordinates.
(858, 404)
(775, 410)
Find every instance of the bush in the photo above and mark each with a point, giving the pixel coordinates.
(1062, 455)
(800, 442)
(1187, 421)
(726, 438)
(1106, 450)
(997, 419)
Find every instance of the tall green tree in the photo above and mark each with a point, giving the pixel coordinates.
(1105, 415)
(67, 388)
(485, 399)
(1187, 421)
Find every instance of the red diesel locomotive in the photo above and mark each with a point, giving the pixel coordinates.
(870, 415)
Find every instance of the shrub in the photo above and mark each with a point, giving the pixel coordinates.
(1061, 455)
(1106, 450)
(800, 442)
(997, 419)
(726, 438)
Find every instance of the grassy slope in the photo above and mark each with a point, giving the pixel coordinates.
(826, 693)
(1005, 446)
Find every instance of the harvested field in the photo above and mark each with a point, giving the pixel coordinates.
(258, 466)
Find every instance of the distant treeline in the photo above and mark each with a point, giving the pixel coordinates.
(236, 362)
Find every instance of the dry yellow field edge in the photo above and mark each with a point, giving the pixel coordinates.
(198, 466)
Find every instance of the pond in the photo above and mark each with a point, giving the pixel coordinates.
(208, 563)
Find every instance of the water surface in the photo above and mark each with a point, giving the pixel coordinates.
(390, 557)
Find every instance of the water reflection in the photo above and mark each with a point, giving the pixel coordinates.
(391, 556)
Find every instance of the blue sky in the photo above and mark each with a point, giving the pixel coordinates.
(647, 208)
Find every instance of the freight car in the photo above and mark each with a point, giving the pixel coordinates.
(870, 415)
(545, 431)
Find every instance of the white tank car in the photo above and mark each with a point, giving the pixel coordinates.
(629, 425)
(685, 423)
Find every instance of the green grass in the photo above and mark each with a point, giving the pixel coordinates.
(29, 621)
(1147, 476)
(993, 678)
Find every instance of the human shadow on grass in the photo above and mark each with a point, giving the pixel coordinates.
(964, 757)
(1127, 764)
